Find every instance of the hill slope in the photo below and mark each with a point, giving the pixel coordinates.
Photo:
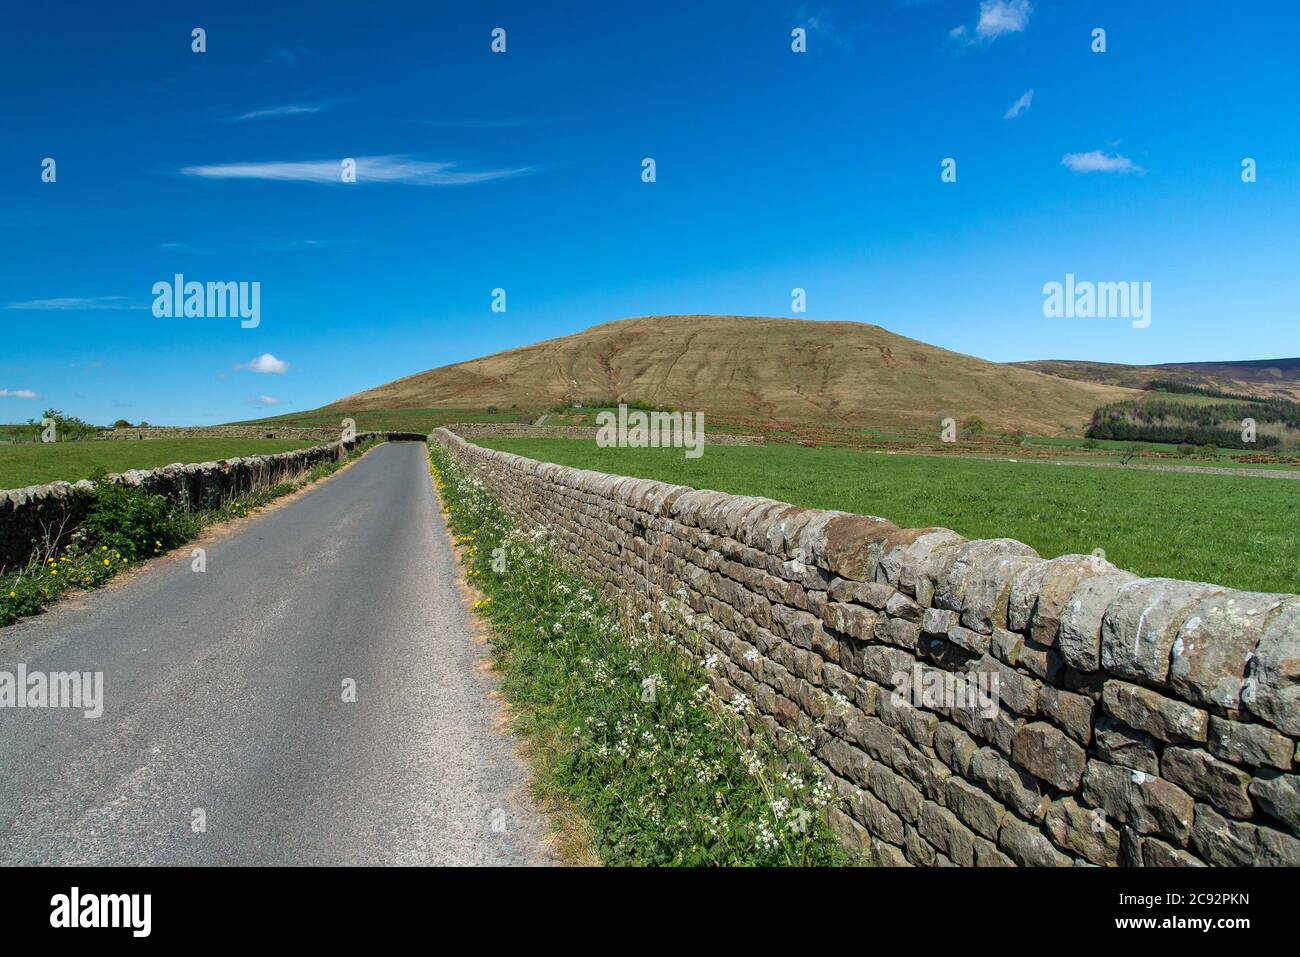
(1270, 378)
(757, 369)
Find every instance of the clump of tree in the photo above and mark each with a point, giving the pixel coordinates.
(66, 427)
(1185, 423)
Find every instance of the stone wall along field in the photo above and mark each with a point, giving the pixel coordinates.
(324, 433)
(515, 430)
(27, 515)
(1138, 721)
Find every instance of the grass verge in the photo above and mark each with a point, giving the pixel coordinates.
(618, 718)
(124, 526)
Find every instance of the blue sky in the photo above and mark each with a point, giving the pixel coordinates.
(522, 171)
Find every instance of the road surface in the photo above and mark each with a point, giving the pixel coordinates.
(225, 737)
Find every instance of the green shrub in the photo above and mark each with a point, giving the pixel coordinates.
(133, 521)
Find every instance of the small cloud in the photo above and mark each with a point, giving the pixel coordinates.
(996, 18)
(1019, 106)
(370, 169)
(262, 400)
(18, 394)
(818, 24)
(1002, 16)
(76, 302)
(286, 109)
(265, 363)
(1099, 162)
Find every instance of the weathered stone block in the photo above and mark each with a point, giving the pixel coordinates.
(1272, 689)
(1278, 796)
(1222, 842)
(902, 797)
(1251, 744)
(1079, 633)
(1215, 644)
(1016, 691)
(972, 641)
(1156, 853)
(1147, 710)
(849, 619)
(1118, 744)
(978, 582)
(1015, 788)
(896, 631)
(1141, 625)
(977, 809)
(1041, 592)
(1082, 830)
(1072, 712)
(938, 621)
(1029, 847)
(912, 558)
(1209, 779)
(940, 828)
(1045, 752)
(1147, 803)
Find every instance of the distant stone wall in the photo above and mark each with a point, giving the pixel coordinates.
(28, 515)
(1137, 721)
(486, 430)
(220, 431)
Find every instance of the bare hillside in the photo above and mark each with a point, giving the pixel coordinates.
(757, 368)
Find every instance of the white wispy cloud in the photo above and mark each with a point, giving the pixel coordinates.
(76, 302)
(1098, 162)
(266, 363)
(997, 17)
(262, 400)
(370, 169)
(18, 394)
(1019, 106)
(289, 109)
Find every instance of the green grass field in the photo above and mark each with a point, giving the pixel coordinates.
(37, 463)
(1235, 531)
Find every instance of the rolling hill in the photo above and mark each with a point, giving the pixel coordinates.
(756, 369)
(1268, 378)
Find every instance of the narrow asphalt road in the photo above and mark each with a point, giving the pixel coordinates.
(224, 701)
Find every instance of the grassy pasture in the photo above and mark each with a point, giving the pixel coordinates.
(37, 463)
(1236, 531)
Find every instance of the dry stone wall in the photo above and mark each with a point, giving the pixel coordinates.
(217, 431)
(28, 515)
(478, 430)
(1137, 721)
